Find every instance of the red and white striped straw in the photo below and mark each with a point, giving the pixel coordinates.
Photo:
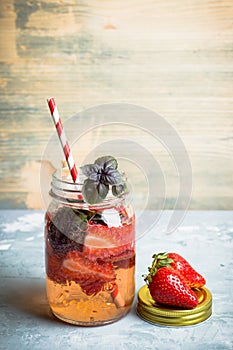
(62, 138)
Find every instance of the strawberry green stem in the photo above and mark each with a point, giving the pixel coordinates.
(159, 260)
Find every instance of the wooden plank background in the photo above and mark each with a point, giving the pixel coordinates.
(173, 56)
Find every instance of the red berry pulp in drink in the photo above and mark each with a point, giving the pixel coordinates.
(90, 264)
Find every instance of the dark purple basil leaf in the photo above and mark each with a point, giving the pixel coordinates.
(101, 161)
(100, 175)
(90, 192)
(92, 171)
(69, 221)
(117, 190)
(95, 177)
(110, 164)
(102, 190)
(111, 177)
(67, 229)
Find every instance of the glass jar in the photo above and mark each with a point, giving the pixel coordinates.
(90, 255)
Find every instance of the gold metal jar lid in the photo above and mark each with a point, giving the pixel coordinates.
(155, 313)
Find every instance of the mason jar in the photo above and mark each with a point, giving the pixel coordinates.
(90, 254)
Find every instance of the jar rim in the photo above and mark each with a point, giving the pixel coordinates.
(63, 175)
(65, 190)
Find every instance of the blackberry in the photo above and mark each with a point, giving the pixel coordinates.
(67, 230)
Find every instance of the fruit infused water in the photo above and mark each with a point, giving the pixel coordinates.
(89, 240)
(90, 255)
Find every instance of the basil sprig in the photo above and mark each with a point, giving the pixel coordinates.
(101, 176)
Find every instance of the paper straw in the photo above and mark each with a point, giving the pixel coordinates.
(62, 138)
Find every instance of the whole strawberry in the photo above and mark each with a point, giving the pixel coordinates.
(169, 287)
(179, 264)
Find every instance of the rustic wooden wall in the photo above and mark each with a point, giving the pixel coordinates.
(172, 56)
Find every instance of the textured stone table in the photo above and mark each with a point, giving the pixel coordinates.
(26, 322)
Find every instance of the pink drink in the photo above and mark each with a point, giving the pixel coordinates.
(90, 261)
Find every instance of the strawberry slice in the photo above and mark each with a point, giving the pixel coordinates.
(124, 261)
(109, 243)
(53, 266)
(90, 275)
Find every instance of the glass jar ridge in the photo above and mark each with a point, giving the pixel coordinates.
(65, 190)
